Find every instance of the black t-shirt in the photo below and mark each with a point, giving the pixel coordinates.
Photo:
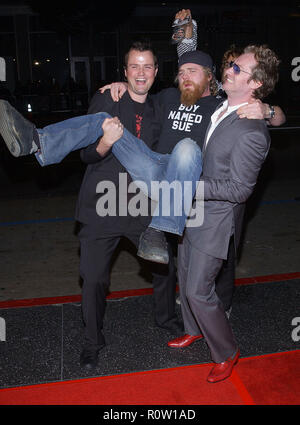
(139, 110)
(179, 121)
(138, 119)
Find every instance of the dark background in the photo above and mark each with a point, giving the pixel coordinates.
(60, 47)
(58, 53)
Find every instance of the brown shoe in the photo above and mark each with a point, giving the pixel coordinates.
(223, 370)
(184, 341)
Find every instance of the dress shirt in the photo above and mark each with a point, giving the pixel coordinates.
(215, 120)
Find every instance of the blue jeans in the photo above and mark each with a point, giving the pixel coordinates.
(59, 139)
(170, 179)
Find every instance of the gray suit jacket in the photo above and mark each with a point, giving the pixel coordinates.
(232, 160)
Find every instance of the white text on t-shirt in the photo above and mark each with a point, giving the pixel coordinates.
(185, 117)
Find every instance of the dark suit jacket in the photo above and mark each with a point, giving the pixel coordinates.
(108, 167)
(232, 160)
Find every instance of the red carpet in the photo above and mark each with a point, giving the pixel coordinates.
(272, 379)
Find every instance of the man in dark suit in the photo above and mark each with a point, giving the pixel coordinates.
(99, 236)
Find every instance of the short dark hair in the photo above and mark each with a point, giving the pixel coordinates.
(266, 71)
(141, 46)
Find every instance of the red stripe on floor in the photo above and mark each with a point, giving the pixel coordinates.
(268, 278)
(30, 302)
(136, 292)
(241, 389)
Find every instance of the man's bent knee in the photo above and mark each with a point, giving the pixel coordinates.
(186, 151)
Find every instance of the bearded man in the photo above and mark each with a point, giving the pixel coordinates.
(185, 111)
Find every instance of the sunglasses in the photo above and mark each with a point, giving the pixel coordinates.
(237, 69)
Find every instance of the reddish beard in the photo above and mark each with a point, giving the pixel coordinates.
(190, 95)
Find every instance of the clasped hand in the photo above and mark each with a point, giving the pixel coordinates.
(253, 110)
(112, 131)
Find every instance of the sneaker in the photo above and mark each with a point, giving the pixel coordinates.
(16, 131)
(153, 246)
(181, 22)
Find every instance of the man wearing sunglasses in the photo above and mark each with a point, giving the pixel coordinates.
(233, 154)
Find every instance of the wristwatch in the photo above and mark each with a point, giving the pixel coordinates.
(272, 111)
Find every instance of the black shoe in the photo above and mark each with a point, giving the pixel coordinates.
(181, 22)
(16, 131)
(89, 358)
(153, 246)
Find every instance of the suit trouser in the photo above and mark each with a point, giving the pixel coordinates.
(95, 261)
(225, 279)
(202, 311)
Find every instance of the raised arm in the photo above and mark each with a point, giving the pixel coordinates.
(186, 35)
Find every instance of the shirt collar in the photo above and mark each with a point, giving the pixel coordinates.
(224, 107)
